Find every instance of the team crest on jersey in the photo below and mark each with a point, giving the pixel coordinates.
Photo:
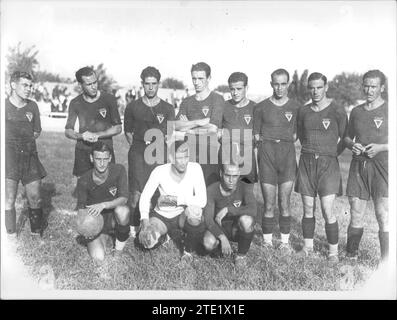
(160, 118)
(247, 118)
(29, 115)
(102, 112)
(205, 110)
(326, 123)
(288, 115)
(113, 191)
(237, 203)
(378, 122)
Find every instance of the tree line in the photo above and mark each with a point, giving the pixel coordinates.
(344, 88)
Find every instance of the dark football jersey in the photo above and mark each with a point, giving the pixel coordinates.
(21, 123)
(276, 122)
(369, 126)
(240, 202)
(319, 132)
(238, 121)
(115, 186)
(94, 117)
(138, 118)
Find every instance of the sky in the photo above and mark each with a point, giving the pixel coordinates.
(255, 37)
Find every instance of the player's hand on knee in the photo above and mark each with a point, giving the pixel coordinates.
(96, 209)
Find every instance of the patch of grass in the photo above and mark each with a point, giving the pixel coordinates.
(161, 269)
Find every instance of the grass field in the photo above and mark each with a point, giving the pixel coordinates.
(161, 269)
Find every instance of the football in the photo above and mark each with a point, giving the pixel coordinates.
(87, 225)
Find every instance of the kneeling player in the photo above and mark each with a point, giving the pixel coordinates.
(368, 176)
(229, 214)
(22, 162)
(103, 190)
(182, 196)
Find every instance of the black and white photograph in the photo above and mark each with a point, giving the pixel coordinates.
(198, 150)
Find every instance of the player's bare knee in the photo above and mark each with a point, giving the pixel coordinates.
(246, 223)
(122, 214)
(209, 242)
(34, 199)
(9, 202)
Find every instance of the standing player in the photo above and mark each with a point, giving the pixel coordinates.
(98, 119)
(200, 117)
(321, 130)
(103, 190)
(148, 112)
(182, 197)
(229, 214)
(23, 127)
(275, 131)
(237, 125)
(368, 176)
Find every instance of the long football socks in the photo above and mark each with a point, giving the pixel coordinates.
(285, 228)
(122, 233)
(268, 225)
(36, 220)
(354, 236)
(308, 226)
(332, 232)
(384, 244)
(244, 241)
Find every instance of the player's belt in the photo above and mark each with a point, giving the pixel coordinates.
(273, 140)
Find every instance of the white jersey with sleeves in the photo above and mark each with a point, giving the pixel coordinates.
(189, 191)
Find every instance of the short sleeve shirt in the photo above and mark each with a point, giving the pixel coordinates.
(369, 126)
(237, 122)
(276, 122)
(94, 117)
(211, 107)
(21, 123)
(319, 132)
(115, 186)
(138, 118)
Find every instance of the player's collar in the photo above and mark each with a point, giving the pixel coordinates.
(274, 101)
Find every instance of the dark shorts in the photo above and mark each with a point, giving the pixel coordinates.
(138, 169)
(230, 228)
(318, 175)
(208, 159)
(171, 224)
(22, 163)
(368, 178)
(82, 161)
(276, 161)
(249, 172)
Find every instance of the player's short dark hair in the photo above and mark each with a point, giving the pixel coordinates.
(201, 66)
(375, 74)
(279, 72)
(177, 144)
(100, 146)
(317, 76)
(231, 163)
(16, 75)
(238, 76)
(84, 72)
(150, 72)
